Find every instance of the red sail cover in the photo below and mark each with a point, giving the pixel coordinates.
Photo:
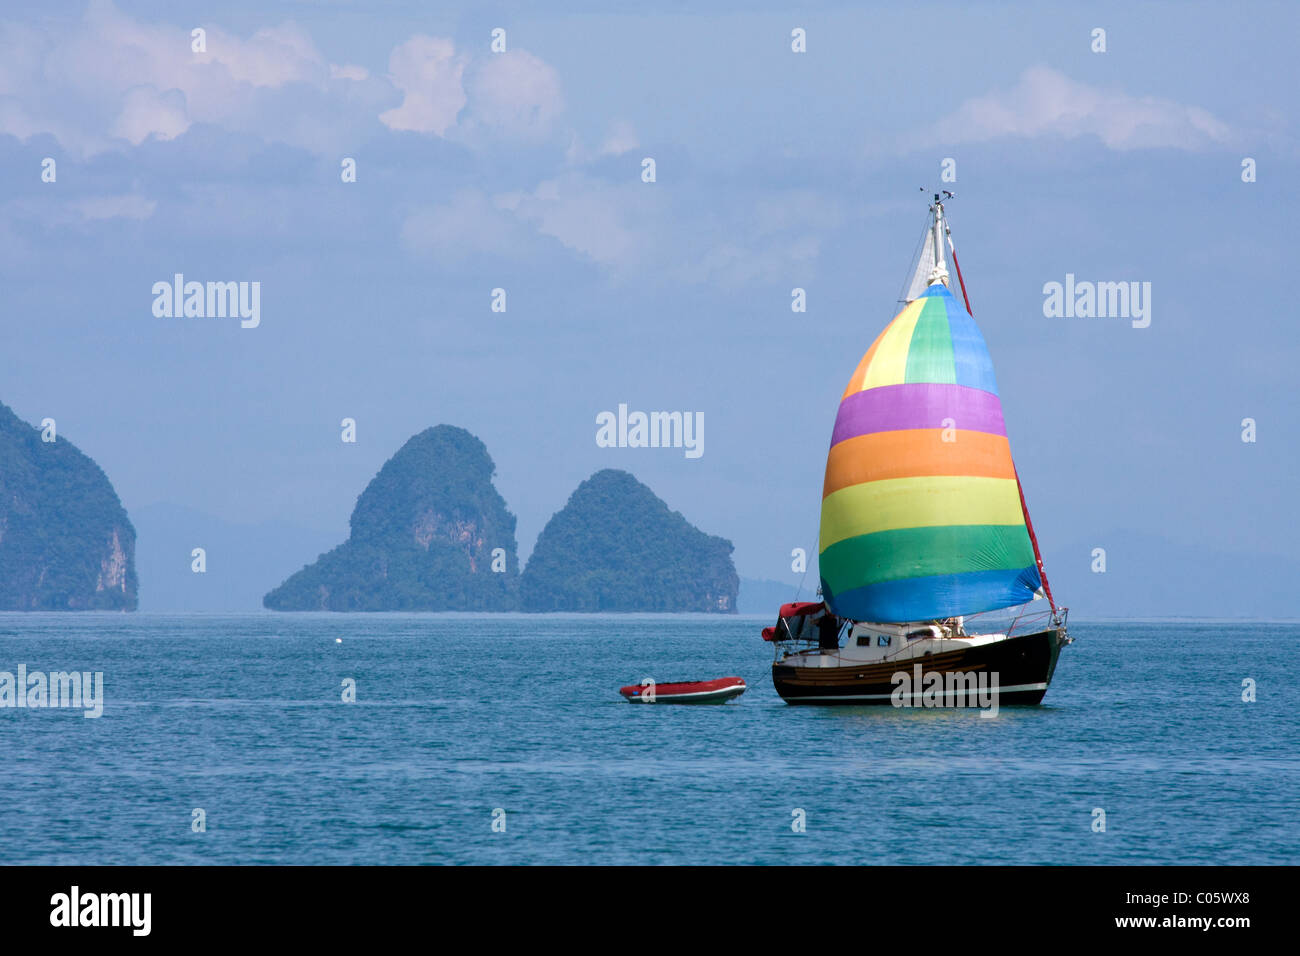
(921, 510)
(799, 609)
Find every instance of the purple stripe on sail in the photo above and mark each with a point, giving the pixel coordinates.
(918, 405)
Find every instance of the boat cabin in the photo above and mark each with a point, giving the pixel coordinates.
(801, 631)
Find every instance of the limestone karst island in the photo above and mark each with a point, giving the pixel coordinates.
(431, 533)
(66, 543)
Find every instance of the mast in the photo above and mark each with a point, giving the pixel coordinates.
(953, 250)
(929, 267)
(940, 271)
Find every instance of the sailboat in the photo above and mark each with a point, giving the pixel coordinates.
(932, 582)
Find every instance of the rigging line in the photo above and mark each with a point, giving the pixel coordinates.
(911, 271)
(799, 590)
(782, 621)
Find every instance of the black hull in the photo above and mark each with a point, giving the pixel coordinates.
(1023, 665)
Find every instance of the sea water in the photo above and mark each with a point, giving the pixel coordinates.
(503, 739)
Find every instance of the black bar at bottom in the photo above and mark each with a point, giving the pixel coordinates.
(619, 904)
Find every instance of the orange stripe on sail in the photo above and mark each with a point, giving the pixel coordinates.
(910, 453)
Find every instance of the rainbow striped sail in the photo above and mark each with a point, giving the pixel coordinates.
(922, 517)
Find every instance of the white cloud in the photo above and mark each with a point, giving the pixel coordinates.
(514, 94)
(106, 79)
(470, 223)
(271, 57)
(77, 212)
(620, 139)
(589, 217)
(348, 72)
(22, 47)
(429, 72)
(1046, 103)
(732, 266)
(16, 121)
(147, 112)
(595, 220)
(511, 95)
(628, 229)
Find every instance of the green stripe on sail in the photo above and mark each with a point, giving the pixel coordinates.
(929, 355)
(923, 552)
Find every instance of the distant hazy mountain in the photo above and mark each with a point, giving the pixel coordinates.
(66, 543)
(617, 547)
(1151, 576)
(429, 533)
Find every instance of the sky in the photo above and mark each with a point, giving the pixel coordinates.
(523, 170)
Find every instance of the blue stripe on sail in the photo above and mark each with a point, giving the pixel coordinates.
(936, 597)
(971, 359)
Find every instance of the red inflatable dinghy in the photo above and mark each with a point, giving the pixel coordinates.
(685, 692)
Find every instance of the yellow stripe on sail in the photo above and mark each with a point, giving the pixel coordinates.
(921, 502)
(889, 365)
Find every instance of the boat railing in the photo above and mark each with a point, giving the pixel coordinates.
(1011, 622)
(1016, 620)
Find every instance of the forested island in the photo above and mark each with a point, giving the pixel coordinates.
(66, 543)
(429, 533)
(617, 547)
